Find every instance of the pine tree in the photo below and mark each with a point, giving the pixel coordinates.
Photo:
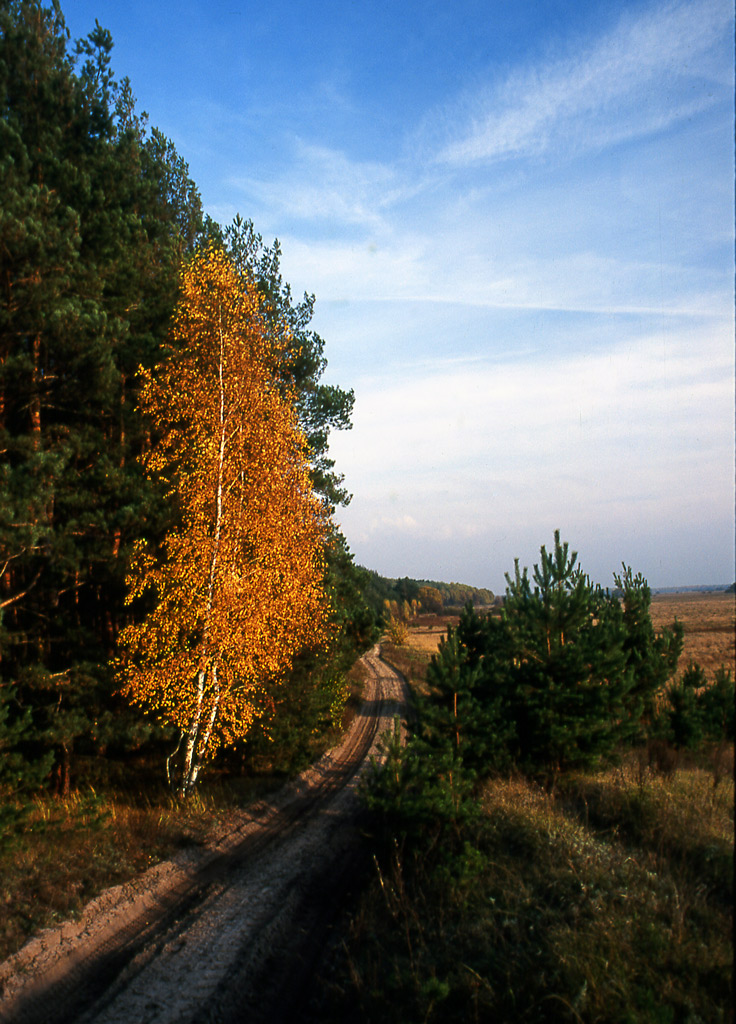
(652, 657)
(570, 668)
(716, 707)
(569, 671)
(19, 775)
(94, 218)
(238, 590)
(54, 345)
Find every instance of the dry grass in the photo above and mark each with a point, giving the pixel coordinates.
(117, 826)
(709, 620)
(424, 637)
(710, 627)
(426, 641)
(412, 657)
(104, 843)
(604, 903)
(106, 839)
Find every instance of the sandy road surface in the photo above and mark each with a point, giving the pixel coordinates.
(226, 933)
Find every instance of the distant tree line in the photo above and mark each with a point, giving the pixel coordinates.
(431, 596)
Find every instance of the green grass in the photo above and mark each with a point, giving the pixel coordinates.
(533, 915)
(609, 901)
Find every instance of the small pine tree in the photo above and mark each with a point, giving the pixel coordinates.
(651, 657)
(684, 725)
(716, 706)
(461, 713)
(568, 678)
(568, 669)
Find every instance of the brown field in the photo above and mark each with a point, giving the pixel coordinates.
(709, 620)
(426, 638)
(710, 627)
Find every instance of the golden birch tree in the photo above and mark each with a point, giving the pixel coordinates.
(238, 583)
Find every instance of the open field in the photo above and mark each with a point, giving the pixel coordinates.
(710, 627)
(709, 620)
(426, 638)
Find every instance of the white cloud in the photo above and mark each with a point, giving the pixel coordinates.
(325, 185)
(612, 436)
(355, 271)
(418, 270)
(629, 83)
(402, 524)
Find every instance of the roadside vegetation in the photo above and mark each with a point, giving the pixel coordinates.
(567, 865)
(106, 836)
(608, 901)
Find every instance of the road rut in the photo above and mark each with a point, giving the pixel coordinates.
(222, 934)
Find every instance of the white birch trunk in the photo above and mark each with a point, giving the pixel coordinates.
(192, 734)
(208, 729)
(191, 767)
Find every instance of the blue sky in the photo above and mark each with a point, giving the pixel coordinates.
(518, 221)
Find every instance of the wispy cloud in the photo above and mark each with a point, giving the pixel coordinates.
(435, 225)
(594, 98)
(413, 269)
(647, 420)
(325, 185)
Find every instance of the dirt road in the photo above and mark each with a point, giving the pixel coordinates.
(223, 934)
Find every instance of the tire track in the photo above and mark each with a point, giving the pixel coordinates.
(208, 936)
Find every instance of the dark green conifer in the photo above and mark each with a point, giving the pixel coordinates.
(652, 657)
(716, 706)
(462, 714)
(94, 218)
(569, 671)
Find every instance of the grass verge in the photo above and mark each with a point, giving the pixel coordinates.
(530, 914)
(607, 901)
(71, 849)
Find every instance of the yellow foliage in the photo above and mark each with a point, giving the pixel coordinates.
(397, 631)
(238, 584)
